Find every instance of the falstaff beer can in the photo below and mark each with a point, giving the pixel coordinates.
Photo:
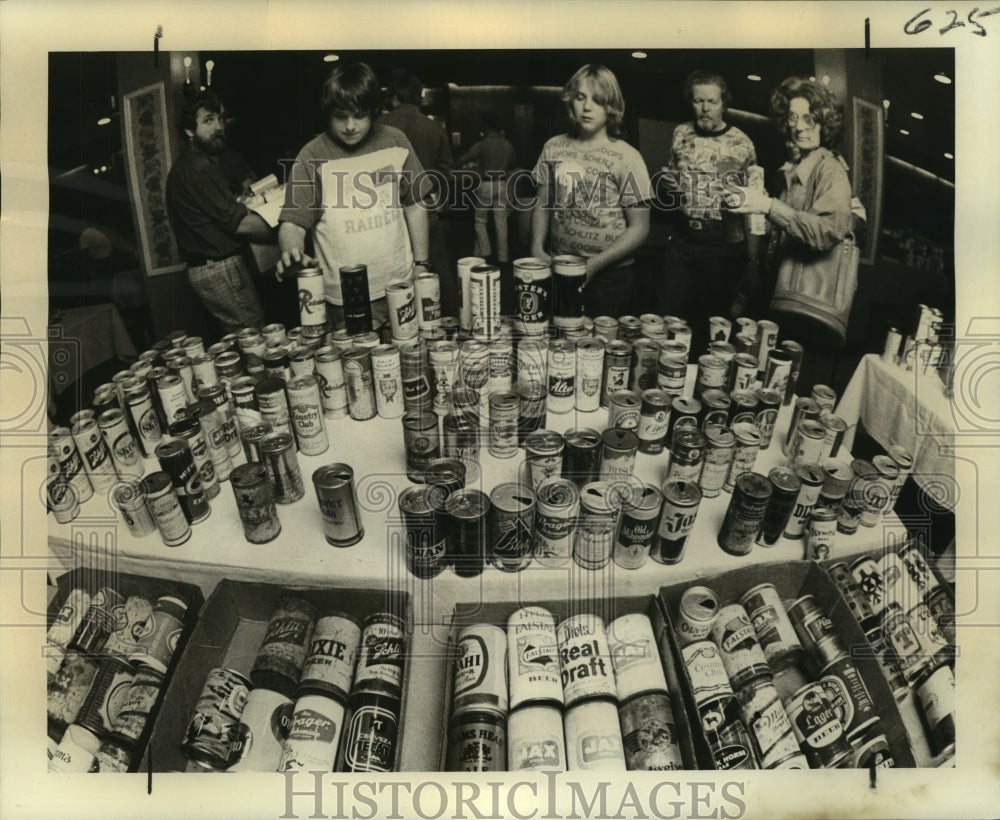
(751, 494)
(306, 410)
(533, 658)
(422, 508)
(589, 370)
(532, 295)
(359, 379)
(338, 504)
(557, 504)
(401, 301)
(420, 436)
(512, 517)
(637, 526)
(214, 724)
(255, 502)
(681, 498)
(277, 451)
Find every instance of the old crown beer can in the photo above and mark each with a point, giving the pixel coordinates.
(484, 289)
(465, 266)
(585, 659)
(533, 658)
(130, 500)
(681, 498)
(477, 741)
(649, 733)
(165, 507)
(277, 451)
(382, 656)
(313, 735)
(338, 504)
(532, 295)
(428, 292)
(359, 379)
(617, 366)
(357, 299)
(557, 504)
(422, 508)
(593, 736)
(214, 724)
(480, 670)
(468, 531)
(696, 612)
(282, 652)
(330, 659)
(255, 502)
(594, 538)
(637, 526)
(561, 376)
(568, 275)
(273, 403)
(535, 739)
(811, 477)
(744, 453)
(177, 462)
(589, 371)
(746, 511)
(785, 485)
(512, 516)
(330, 379)
(95, 455)
(635, 656)
(423, 445)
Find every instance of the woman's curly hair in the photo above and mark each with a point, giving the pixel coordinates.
(822, 104)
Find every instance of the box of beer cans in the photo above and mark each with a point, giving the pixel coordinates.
(562, 685)
(285, 678)
(777, 673)
(113, 643)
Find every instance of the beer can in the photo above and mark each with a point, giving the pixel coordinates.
(465, 401)
(417, 383)
(465, 266)
(357, 304)
(278, 455)
(561, 376)
(936, 696)
(428, 292)
(849, 694)
(605, 328)
(756, 224)
(593, 736)
(119, 441)
(618, 451)
(165, 508)
(512, 516)
(767, 340)
(189, 430)
(745, 513)
(484, 290)
(382, 655)
(388, 383)
(904, 460)
(338, 504)
(243, 392)
(531, 413)
(447, 473)
(637, 526)
(720, 443)
(629, 328)
(785, 486)
(130, 616)
(617, 366)
(130, 500)
(811, 477)
(306, 412)
(774, 629)
(64, 626)
(768, 722)
(312, 300)
(644, 364)
(330, 659)
(743, 372)
(653, 326)
(744, 406)
(719, 328)
(825, 396)
(66, 690)
(795, 352)
(624, 409)
(137, 704)
(649, 733)
(263, 730)
(533, 658)
(581, 455)
(158, 638)
(594, 537)
(744, 453)
(532, 295)
(251, 438)
(214, 724)
(100, 707)
(679, 331)
(422, 508)
(468, 531)
(473, 370)
(532, 363)
(839, 476)
(273, 403)
(712, 374)
(61, 498)
(359, 379)
(769, 401)
(818, 727)
(857, 602)
(687, 452)
(568, 275)
(331, 382)
(142, 414)
(821, 534)
(684, 412)
(635, 657)
(654, 416)
(671, 372)
(695, 613)
(479, 666)
(279, 659)
(460, 437)
(557, 503)
(681, 499)
(741, 652)
(213, 430)
(710, 685)
(302, 361)
(732, 747)
(63, 451)
(585, 658)
(535, 739)
(589, 372)
(401, 302)
(423, 445)
(95, 455)
(313, 735)
(178, 463)
(76, 750)
(477, 741)
(501, 376)
(443, 362)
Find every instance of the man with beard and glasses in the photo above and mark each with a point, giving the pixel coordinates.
(210, 225)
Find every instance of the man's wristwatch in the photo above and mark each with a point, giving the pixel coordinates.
(423, 263)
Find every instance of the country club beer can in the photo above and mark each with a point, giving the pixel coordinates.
(484, 287)
(338, 504)
(710, 685)
(306, 413)
(401, 302)
(532, 295)
(533, 658)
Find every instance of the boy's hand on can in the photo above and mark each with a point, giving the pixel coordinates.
(292, 262)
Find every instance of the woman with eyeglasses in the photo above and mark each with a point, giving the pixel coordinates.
(810, 215)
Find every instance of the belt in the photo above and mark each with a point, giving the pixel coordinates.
(201, 261)
(706, 225)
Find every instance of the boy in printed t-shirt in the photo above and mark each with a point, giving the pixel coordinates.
(353, 188)
(593, 193)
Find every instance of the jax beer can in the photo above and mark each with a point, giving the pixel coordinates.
(535, 739)
(484, 287)
(681, 498)
(532, 295)
(593, 736)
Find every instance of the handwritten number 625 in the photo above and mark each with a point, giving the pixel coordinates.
(916, 25)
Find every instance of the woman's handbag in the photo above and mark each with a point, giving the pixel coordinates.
(819, 284)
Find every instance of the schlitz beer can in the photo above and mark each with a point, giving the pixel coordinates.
(165, 507)
(359, 380)
(422, 508)
(63, 451)
(785, 486)
(681, 498)
(468, 531)
(720, 443)
(484, 288)
(120, 443)
(635, 656)
(423, 445)
(465, 266)
(585, 659)
(624, 409)
(428, 292)
(158, 638)
(443, 359)
(687, 452)
(281, 654)
(401, 301)
(593, 736)
(695, 614)
(617, 366)
(480, 670)
(533, 658)
(313, 735)
(557, 504)
(744, 453)
(594, 537)
(357, 299)
(512, 517)
(338, 504)
(745, 513)
(214, 724)
(535, 739)
(382, 655)
(561, 376)
(145, 422)
(477, 741)
(332, 654)
(532, 295)
(637, 526)
(589, 372)
(130, 500)
(263, 730)
(273, 403)
(177, 462)
(649, 733)
(306, 412)
(95, 455)
(811, 477)
(277, 451)
(568, 275)
(654, 416)
(618, 451)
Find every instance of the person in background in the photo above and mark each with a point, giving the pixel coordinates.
(360, 171)
(209, 223)
(493, 156)
(709, 252)
(593, 193)
(430, 141)
(810, 216)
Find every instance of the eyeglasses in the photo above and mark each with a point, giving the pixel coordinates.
(807, 120)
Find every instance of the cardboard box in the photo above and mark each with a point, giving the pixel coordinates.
(151, 589)
(229, 634)
(792, 579)
(497, 613)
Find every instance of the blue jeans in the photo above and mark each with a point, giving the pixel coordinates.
(609, 293)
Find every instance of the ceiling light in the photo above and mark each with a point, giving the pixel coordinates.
(104, 121)
(904, 132)
(640, 55)
(754, 77)
(826, 79)
(104, 168)
(331, 58)
(886, 104)
(942, 78)
(949, 155)
(916, 115)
